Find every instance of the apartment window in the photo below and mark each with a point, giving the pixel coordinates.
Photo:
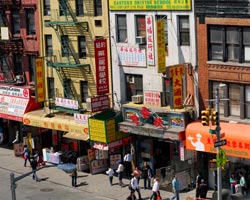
(98, 23)
(30, 22)
(84, 91)
(121, 28)
(79, 8)
(98, 7)
(140, 25)
(67, 88)
(82, 46)
(63, 8)
(65, 45)
(18, 67)
(2, 18)
(46, 6)
(184, 30)
(51, 87)
(16, 21)
(247, 101)
(229, 43)
(48, 45)
(134, 85)
(32, 65)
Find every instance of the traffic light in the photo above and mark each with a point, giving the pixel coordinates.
(214, 117)
(205, 117)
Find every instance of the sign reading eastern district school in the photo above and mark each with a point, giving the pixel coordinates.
(149, 5)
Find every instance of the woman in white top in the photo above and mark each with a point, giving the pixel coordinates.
(120, 170)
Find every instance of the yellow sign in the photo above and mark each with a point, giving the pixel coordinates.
(176, 72)
(161, 47)
(40, 96)
(102, 131)
(150, 5)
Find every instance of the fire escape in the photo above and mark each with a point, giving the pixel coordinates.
(66, 62)
(8, 45)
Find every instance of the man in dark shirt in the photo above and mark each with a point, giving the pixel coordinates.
(203, 189)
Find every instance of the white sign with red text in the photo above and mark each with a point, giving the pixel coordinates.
(14, 91)
(150, 40)
(81, 118)
(152, 98)
(67, 103)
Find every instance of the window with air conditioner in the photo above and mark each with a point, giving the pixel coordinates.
(134, 86)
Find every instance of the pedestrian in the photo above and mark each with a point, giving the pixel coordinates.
(26, 155)
(120, 171)
(127, 164)
(135, 186)
(110, 173)
(33, 164)
(74, 178)
(138, 171)
(197, 184)
(203, 189)
(155, 189)
(175, 186)
(146, 175)
(233, 182)
(243, 184)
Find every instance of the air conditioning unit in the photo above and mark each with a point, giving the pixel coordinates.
(140, 40)
(88, 104)
(138, 99)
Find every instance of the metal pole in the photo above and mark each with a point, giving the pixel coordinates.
(12, 186)
(219, 180)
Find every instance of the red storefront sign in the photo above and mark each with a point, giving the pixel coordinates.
(101, 61)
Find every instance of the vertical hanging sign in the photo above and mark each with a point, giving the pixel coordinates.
(176, 72)
(161, 47)
(150, 40)
(39, 79)
(101, 61)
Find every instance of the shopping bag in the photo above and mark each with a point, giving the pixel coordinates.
(159, 197)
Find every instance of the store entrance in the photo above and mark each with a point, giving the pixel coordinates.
(161, 154)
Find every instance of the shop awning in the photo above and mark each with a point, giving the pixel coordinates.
(60, 122)
(237, 136)
(77, 136)
(14, 108)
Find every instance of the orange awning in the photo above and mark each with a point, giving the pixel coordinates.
(237, 136)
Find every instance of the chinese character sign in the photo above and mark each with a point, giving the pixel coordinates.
(40, 97)
(176, 72)
(161, 47)
(150, 40)
(101, 61)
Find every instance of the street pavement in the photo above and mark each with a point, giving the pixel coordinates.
(94, 184)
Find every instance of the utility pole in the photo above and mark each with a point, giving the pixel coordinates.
(219, 179)
(215, 118)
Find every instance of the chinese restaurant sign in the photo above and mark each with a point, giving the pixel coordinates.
(131, 56)
(40, 97)
(14, 91)
(176, 72)
(150, 40)
(161, 47)
(101, 61)
(149, 5)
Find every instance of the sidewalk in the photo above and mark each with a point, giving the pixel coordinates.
(87, 182)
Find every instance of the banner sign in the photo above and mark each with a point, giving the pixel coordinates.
(67, 103)
(149, 5)
(161, 47)
(129, 55)
(100, 103)
(101, 61)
